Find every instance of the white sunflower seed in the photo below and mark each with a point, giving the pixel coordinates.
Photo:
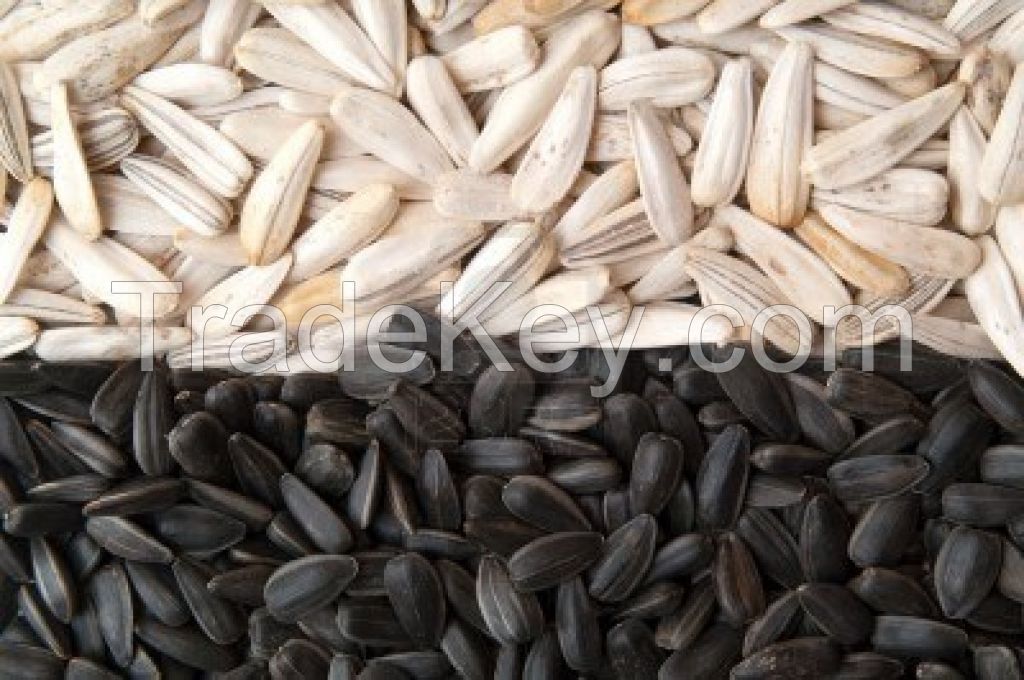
(191, 84)
(48, 307)
(670, 77)
(905, 194)
(879, 20)
(663, 188)
(15, 150)
(724, 148)
(239, 293)
(969, 19)
(970, 212)
(24, 228)
(189, 202)
(613, 188)
(17, 334)
(996, 303)
(463, 194)
(653, 12)
(434, 97)
(1001, 175)
(276, 55)
(72, 185)
(857, 53)
(107, 343)
(494, 60)
(794, 11)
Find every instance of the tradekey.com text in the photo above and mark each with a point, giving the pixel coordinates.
(548, 338)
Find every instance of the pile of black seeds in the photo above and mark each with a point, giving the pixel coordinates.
(485, 524)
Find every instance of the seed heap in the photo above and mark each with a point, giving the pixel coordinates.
(503, 524)
(664, 153)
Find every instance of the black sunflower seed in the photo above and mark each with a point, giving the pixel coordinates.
(232, 402)
(81, 488)
(626, 419)
(197, 530)
(657, 468)
(1011, 575)
(25, 662)
(774, 549)
(84, 669)
(824, 537)
(824, 426)
(401, 501)
(57, 404)
(19, 377)
(136, 497)
(737, 582)
(512, 616)
(154, 417)
(252, 513)
(430, 421)
(993, 662)
(955, 439)
(85, 626)
(866, 395)
(369, 580)
(307, 584)
(624, 561)
(539, 502)
(998, 614)
(722, 479)
(566, 407)
(836, 612)
(83, 554)
(187, 645)
(327, 470)
(789, 459)
(805, 658)
(286, 534)
(439, 500)
(266, 634)
(220, 620)
(908, 636)
(417, 596)
(13, 560)
(127, 540)
(711, 656)
(966, 569)
(1003, 465)
(199, 444)
(1001, 396)
(499, 457)
(383, 425)
(680, 628)
(774, 491)
(895, 435)
(560, 444)
(982, 505)
(365, 494)
(302, 390)
(371, 622)
(54, 635)
(870, 478)
(243, 585)
(779, 621)
(53, 579)
(370, 382)
(111, 597)
(460, 591)
(93, 448)
(466, 651)
(586, 475)
(680, 557)
(429, 665)
(884, 531)
(158, 593)
(544, 659)
(552, 559)
(257, 468)
(28, 520)
(863, 665)
(278, 427)
(499, 401)
(761, 395)
(891, 592)
(579, 631)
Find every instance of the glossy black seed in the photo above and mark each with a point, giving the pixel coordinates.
(996, 662)
(1003, 465)
(94, 449)
(25, 662)
(499, 401)
(774, 491)
(966, 569)
(625, 558)
(438, 497)
(136, 497)
(998, 614)
(430, 421)
(199, 444)
(154, 416)
(550, 560)
(286, 534)
(370, 382)
(84, 669)
(866, 395)
(307, 584)
(371, 622)
(539, 502)
(544, 659)
(466, 651)
(681, 557)
(632, 652)
(804, 658)
(19, 377)
(57, 404)
(560, 444)
(657, 468)
(779, 621)
(319, 522)
(221, 621)
(111, 597)
(737, 582)
(232, 402)
(694, 385)
(81, 488)
(187, 645)
(773, 547)
(28, 520)
(53, 634)
(908, 636)
(864, 665)
(722, 479)
(512, 616)
(158, 593)
(499, 457)
(365, 494)
(956, 436)
(243, 585)
(252, 513)
(870, 478)
(681, 627)
(430, 665)
(417, 596)
(278, 427)
(579, 630)
(566, 407)
(837, 612)
(383, 425)
(982, 505)
(586, 475)
(895, 435)
(822, 425)
(999, 394)
(761, 395)
(712, 655)
(327, 470)
(14, 445)
(197, 530)
(884, 532)
(127, 539)
(824, 536)
(53, 578)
